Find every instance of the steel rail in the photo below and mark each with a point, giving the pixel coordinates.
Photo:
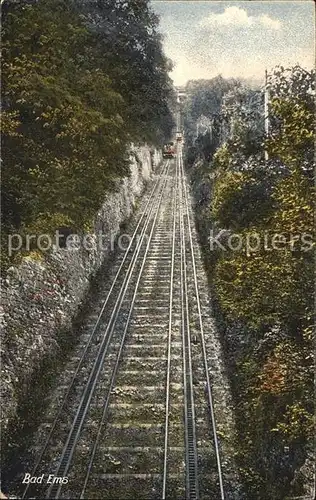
(203, 343)
(91, 336)
(84, 404)
(192, 486)
(117, 363)
(167, 404)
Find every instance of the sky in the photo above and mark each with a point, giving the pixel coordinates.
(235, 39)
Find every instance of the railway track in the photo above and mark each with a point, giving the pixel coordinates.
(137, 418)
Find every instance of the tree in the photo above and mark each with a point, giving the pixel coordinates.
(292, 117)
(81, 81)
(264, 290)
(205, 100)
(126, 32)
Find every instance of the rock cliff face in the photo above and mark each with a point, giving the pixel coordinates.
(42, 296)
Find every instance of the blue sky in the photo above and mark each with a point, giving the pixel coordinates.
(236, 39)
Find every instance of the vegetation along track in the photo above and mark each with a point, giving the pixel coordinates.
(137, 419)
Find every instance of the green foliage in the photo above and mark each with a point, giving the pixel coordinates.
(206, 95)
(254, 197)
(265, 288)
(126, 31)
(268, 288)
(222, 158)
(205, 100)
(240, 199)
(243, 122)
(296, 424)
(292, 111)
(75, 94)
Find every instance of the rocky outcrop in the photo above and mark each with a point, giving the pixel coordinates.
(42, 296)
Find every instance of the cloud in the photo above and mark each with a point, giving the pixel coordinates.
(237, 17)
(268, 22)
(240, 41)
